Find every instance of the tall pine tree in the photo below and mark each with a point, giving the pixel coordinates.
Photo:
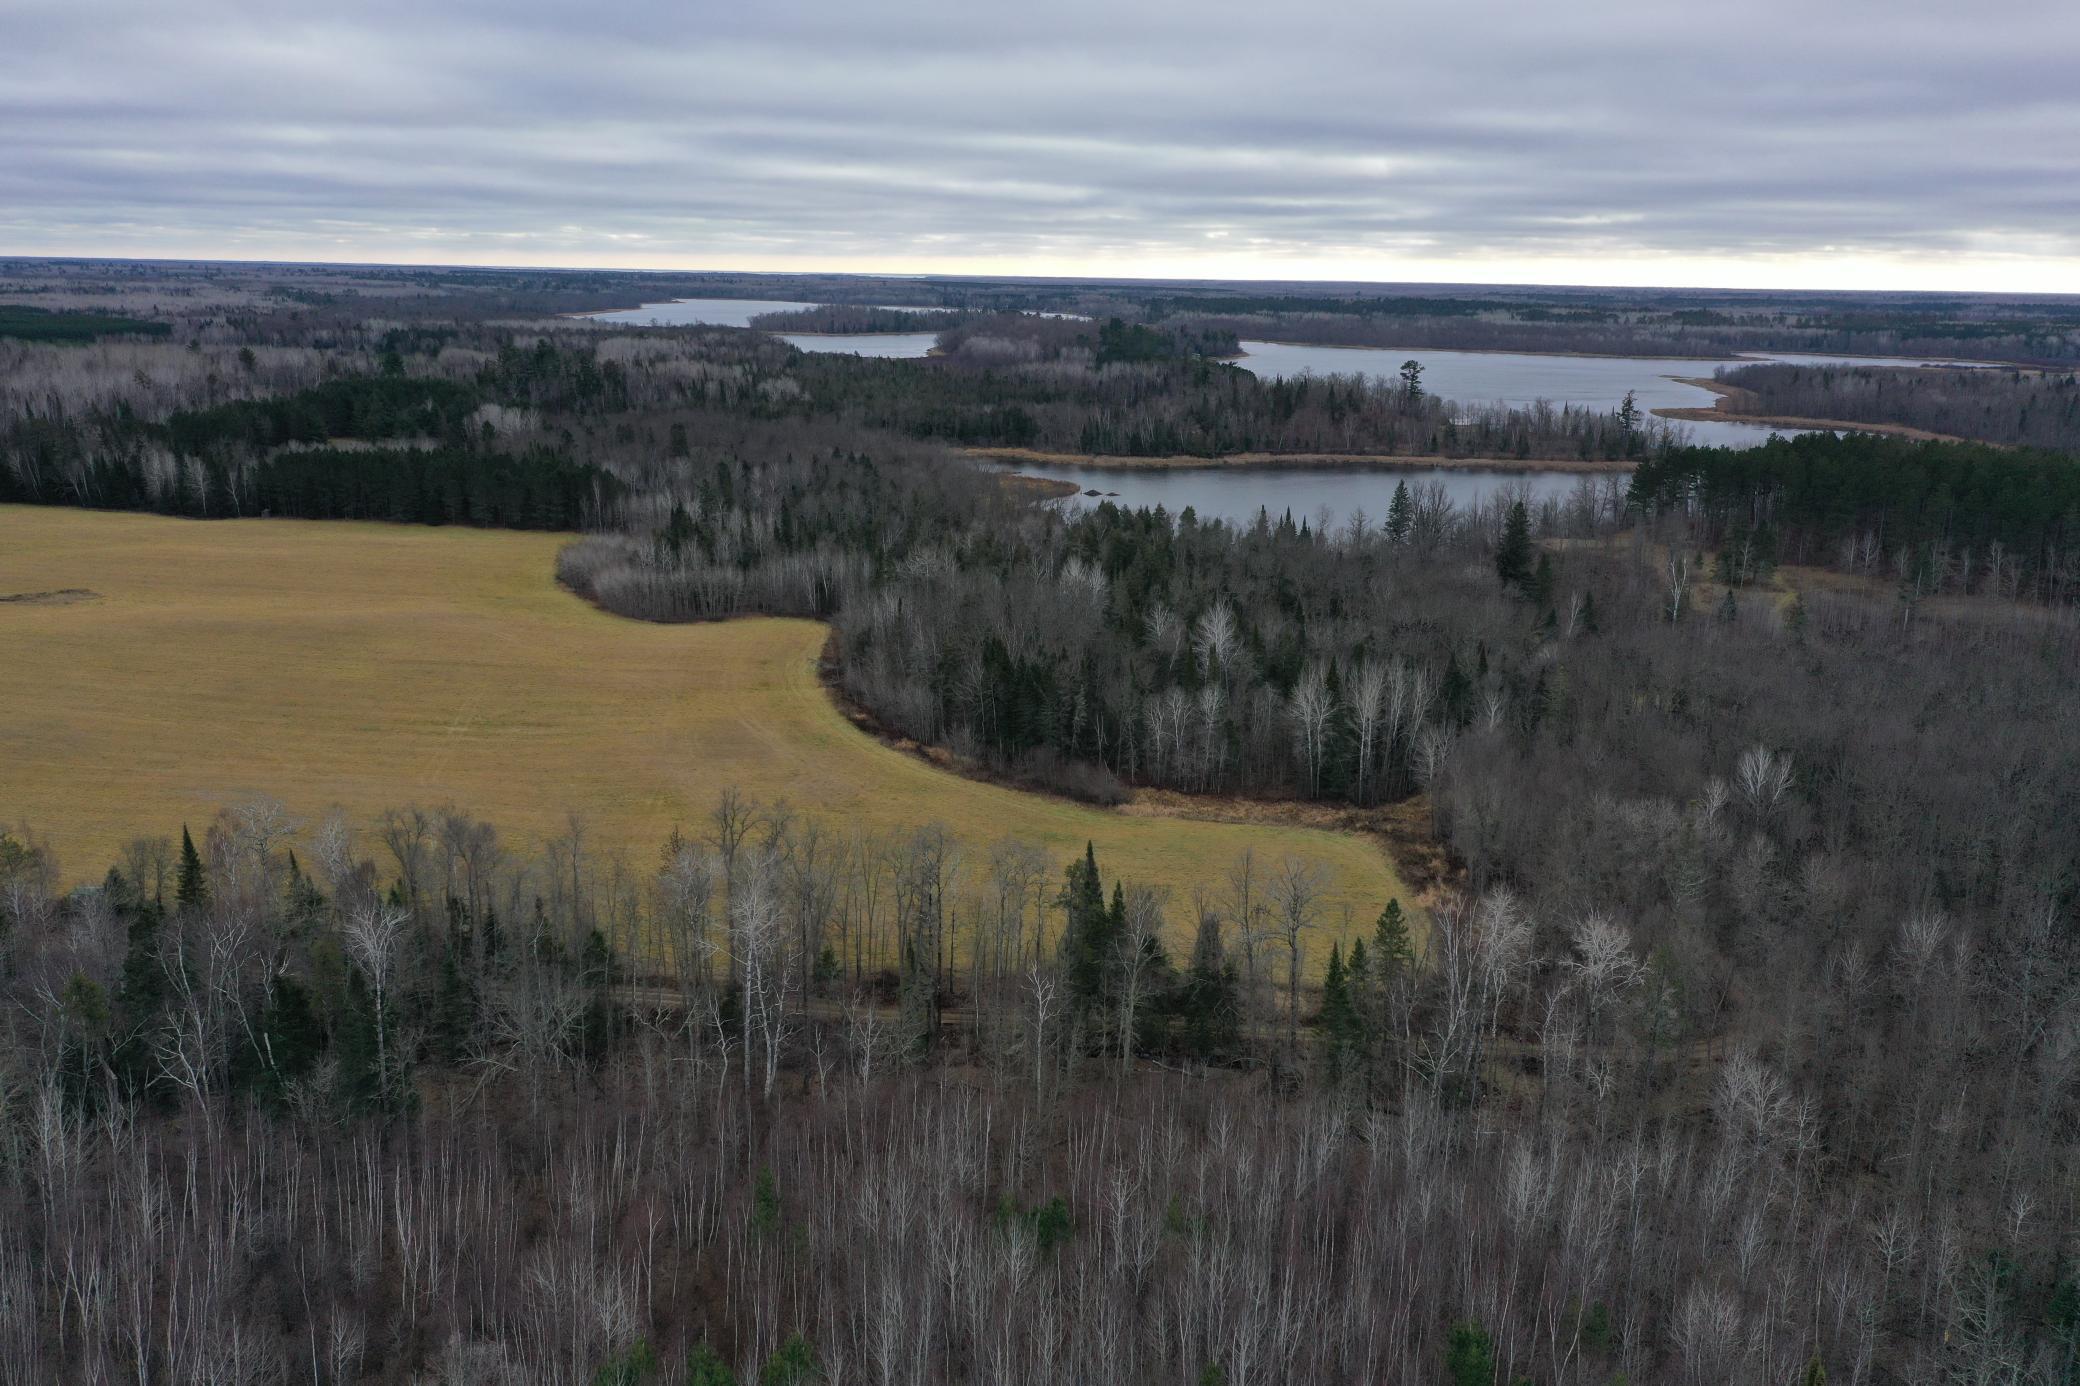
(1513, 556)
(1087, 933)
(192, 890)
(1401, 513)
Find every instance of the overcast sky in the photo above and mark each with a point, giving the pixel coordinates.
(1820, 143)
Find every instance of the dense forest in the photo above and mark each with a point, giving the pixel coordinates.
(271, 457)
(1939, 517)
(1637, 1101)
(2039, 409)
(32, 324)
(1735, 1037)
(1644, 323)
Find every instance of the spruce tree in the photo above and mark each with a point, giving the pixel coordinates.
(1392, 953)
(1513, 556)
(1086, 949)
(704, 1368)
(1455, 693)
(1340, 1026)
(1211, 1017)
(1469, 1355)
(793, 1365)
(1401, 513)
(1540, 589)
(192, 890)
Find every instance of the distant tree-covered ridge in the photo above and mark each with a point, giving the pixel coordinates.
(44, 325)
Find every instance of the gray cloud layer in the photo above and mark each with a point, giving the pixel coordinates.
(1777, 142)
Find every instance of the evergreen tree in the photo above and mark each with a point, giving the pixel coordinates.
(192, 889)
(1455, 693)
(1341, 1030)
(1469, 1355)
(454, 1010)
(1513, 556)
(286, 1042)
(143, 985)
(84, 1009)
(917, 1000)
(1401, 513)
(793, 1365)
(765, 1203)
(305, 902)
(1392, 953)
(1629, 421)
(1087, 932)
(631, 1368)
(704, 1368)
(1540, 588)
(1209, 1005)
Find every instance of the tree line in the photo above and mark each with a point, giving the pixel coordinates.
(1615, 323)
(269, 456)
(1938, 516)
(1737, 1043)
(26, 322)
(2033, 409)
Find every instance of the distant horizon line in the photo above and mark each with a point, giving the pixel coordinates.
(1026, 277)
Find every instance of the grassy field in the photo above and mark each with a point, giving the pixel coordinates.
(171, 667)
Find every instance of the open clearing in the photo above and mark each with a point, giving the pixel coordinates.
(372, 666)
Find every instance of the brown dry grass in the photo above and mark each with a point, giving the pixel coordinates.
(371, 666)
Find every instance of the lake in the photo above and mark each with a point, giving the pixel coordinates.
(698, 312)
(738, 312)
(1521, 378)
(1235, 494)
(891, 344)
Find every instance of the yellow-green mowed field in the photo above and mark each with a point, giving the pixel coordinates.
(371, 666)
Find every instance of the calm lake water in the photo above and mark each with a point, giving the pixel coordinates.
(1235, 494)
(865, 343)
(1518, 379)
(699, 312)
(738, 312)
